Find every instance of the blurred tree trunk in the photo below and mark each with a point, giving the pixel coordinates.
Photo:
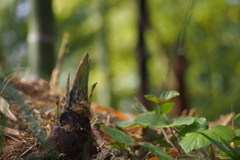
(104, 89)
(179, 53)
(179, 71)
(142, 51)
(41, 38)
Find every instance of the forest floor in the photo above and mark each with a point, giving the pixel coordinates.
(20, 142)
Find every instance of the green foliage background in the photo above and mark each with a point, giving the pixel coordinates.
(108, 29)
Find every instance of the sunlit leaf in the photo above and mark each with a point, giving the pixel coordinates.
(118, 135)
(156, 151)
(167, 95)
(164, 97)
(152, 98)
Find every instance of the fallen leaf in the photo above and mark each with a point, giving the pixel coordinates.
(172, 153)
(110, 111)
(4, 108)
(11, 132)
(153, 158)
(49, 122)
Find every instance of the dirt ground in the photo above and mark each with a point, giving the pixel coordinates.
(19, 140)
(20, 143)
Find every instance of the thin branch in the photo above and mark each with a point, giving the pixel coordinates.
(56, 71)
(168, 140)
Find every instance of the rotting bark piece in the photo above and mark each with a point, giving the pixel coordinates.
(72, 136)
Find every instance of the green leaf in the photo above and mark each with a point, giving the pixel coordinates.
(220, 146)
(236, 116)
(118, 135)
(225, 157)
(156, 151)
(236, 141)
(151, 120)
(232, 150)
(163, 143)
(164, 97)
(220, 132)
(161, 121)
(193, 141)
(152, 98)
(138, 106)
(117, 145)
(125, 124)
(198, 123)
(178, 122)
(196, 140)
(237, 132)
(167, 95)
(182, 121)
(166, 107)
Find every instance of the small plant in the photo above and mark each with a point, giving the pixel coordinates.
(121, 139)
(188, 134)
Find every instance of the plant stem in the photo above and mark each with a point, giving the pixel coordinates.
(167, 139)
(212, 153)
(177, 146)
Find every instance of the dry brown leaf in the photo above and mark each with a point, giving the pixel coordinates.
(6, 144)
(11, 132)
(4, 108)
(172, 154)
(153, 158)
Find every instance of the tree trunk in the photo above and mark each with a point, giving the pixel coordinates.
(142, 52)
(179, 71)
(41, 38)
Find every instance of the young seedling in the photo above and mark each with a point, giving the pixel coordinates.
(72, 135)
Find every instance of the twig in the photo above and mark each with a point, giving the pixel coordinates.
(8, 79)
(178, 149)
(57, 69)
(26, 151)
(67, 89)
(212, 153)
(12, 138)
(167, 139)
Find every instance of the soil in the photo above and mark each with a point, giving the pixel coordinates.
(20, 142)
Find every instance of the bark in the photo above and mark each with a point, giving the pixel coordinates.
(179, 71)
(142, 52)
(41, 38)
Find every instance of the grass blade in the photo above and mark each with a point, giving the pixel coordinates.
(220, 146)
